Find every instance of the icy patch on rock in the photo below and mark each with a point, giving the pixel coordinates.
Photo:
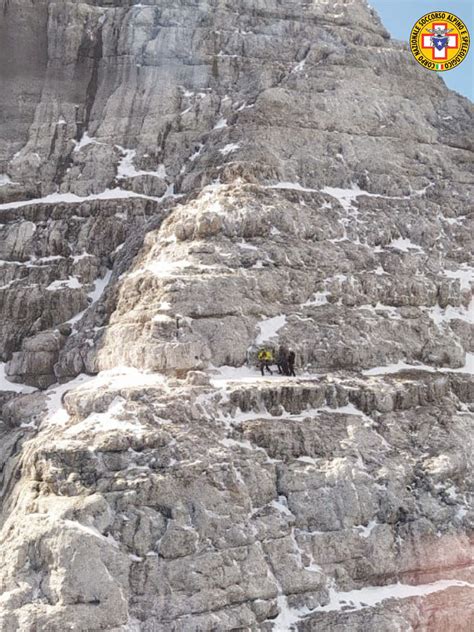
(353, 600)
(228, 149)
(4, 180)
(319, 298)
(106, 422)
(281, 505)
(226, 375)
(126, 168)
(77, 258)
(288, 616)
(197, 153)
(125, 377)
(396, 367)
(120, 377)
(348, 409)
(371, 596)
(391, 311)
(440, 316)
(56, 413)
(465, 275)
(345, 197)
(85, 141)
(99, 288)
(269, 328)
(72, 198)
(291, 186)
(164, 268)
(364, 532)
(72, 283)
(403, 366)
(6, 385)
(246, 246)
(404, 245)
(300, 66)
(221, 123)
(467, 368)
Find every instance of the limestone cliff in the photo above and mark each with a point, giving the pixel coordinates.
(181, 181)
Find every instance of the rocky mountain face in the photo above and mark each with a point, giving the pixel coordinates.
(182, 181)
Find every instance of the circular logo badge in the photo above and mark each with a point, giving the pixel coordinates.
(439, 41)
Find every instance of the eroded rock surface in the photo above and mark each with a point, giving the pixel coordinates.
(185, 181)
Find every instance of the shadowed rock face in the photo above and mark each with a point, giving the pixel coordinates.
(181, 182)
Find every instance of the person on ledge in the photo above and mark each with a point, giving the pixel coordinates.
(282, 360)
(291, 363)
(265, 359)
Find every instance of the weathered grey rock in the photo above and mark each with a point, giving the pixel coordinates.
(34, 364)
(257, 172)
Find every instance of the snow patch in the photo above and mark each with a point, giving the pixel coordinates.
(467, 368)
(395, 368)
(228, 149)
(76, 258)
(319, 298)
(90, 530)
(449, 313)
(402, 366)
(106, 422)
(72, 283)
(246, 246)
(392, 312)
(124, 377)
(287, 616)
(6, 385)
(345, 197)
(56, 413)
(371, 596)
(300, 66)
(461, 513)
(163, 268)
(85, 140)
(364, 532)
(227, 375)
(135, 558)
(367, 597)
(99, 288)
(221, 123)
(197, 153)
(126, 168)
(404, 245)
(71, 198)
(120, 377)
(348, 409)
(465, 275)
(269, 328)
(281, 506)
(292, 186)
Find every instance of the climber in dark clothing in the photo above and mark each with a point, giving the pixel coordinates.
(291, 363)
(282, 360)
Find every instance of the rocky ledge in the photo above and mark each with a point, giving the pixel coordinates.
(183, 183)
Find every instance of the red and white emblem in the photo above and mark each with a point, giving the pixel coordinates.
(439, 40)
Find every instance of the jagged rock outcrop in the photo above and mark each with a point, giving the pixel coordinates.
(182, 182)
